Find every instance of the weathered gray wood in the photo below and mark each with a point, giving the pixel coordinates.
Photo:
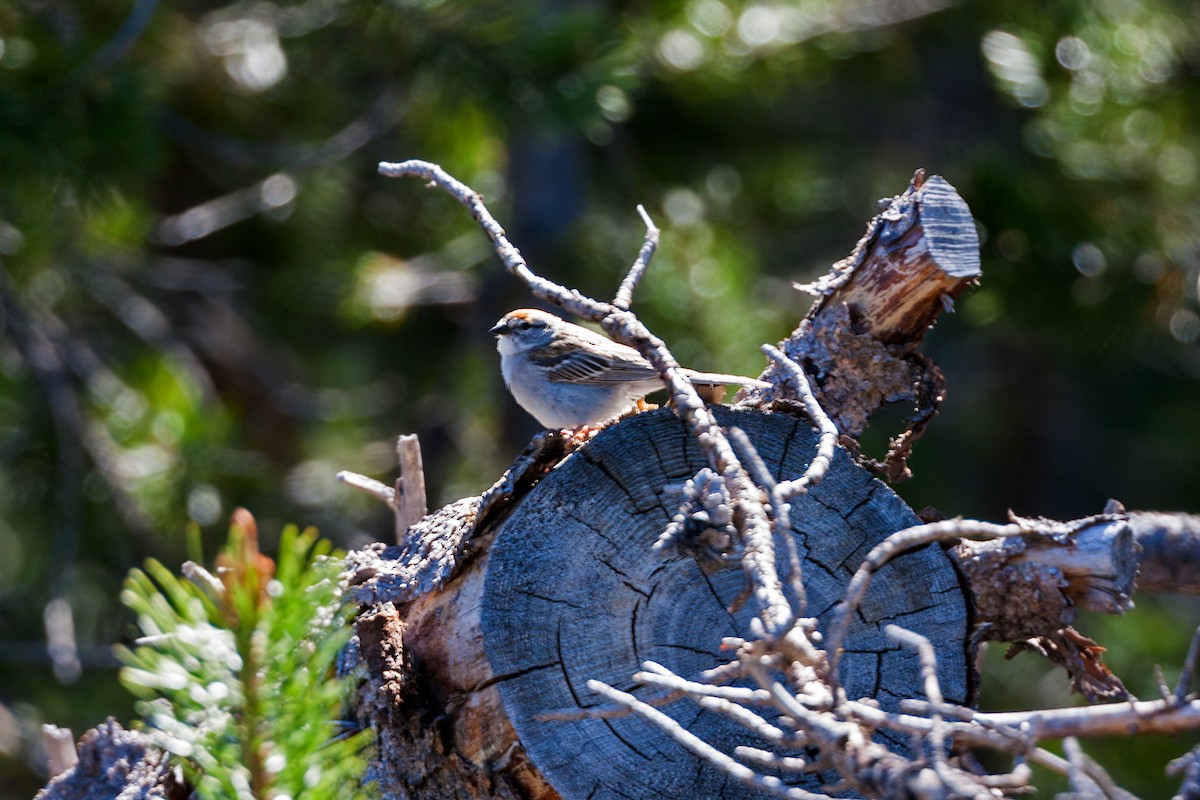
(114, 762)
(573, 592)
(1170, 551)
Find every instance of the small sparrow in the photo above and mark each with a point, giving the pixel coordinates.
(569, 377)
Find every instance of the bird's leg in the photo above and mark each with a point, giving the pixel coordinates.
(640, 406)
(584, 433)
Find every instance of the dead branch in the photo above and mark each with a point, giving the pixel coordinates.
(1170, 551)
(1031, 584)
(750, 516)
(853, 353)
(858, 341)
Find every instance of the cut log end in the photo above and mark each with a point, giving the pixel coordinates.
(573, 593)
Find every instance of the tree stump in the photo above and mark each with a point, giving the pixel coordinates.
(574, 592)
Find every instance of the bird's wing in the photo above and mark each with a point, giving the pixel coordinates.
(618, 364)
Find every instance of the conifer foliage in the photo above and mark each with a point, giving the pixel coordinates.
(235, 670)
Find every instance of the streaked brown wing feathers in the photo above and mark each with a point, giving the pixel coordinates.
(578, 366)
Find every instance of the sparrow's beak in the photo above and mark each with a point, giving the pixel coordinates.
(498, 329)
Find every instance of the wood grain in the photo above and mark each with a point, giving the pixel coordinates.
(573, 592)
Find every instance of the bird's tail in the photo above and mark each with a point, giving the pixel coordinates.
(720, 379)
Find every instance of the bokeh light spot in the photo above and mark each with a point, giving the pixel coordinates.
(681, 50)
(1088, 259)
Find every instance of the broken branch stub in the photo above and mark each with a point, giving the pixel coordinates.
(859, 341)
(921, 248)
(1031, 585)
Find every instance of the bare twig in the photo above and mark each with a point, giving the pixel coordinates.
(773, 761)
(894, 545)
(933, 691)
(1004, 730)
(829, 432)
(1114, 719)
(936, 742)
(704, 750)
(1081, 783)
(658, 675)
(747, 718)
(510, 256)
(1189, 668)
(1104, 780)
(624, 297)
(407, 498)
(1187, 766)
(780, 513)
(750, 518)
(377, 489)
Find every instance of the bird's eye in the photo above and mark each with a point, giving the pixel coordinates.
(524, 325)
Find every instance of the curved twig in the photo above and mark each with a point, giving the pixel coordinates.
(750, 517)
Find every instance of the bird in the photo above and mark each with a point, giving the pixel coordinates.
(569, 377)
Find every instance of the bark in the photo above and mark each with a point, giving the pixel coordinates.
(116, 763)
(1032, 585)
(859, 340)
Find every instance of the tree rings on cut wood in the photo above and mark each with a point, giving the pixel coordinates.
(574, 592)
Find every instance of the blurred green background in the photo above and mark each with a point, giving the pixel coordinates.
(209, 298)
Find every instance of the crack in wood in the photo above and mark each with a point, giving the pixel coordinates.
(878, 674)
(909, 612)
(831, 571)
(608, 724)
(633, 639)
(875, 486)
(603, 467)
(787, 450)
(619, 793)
(520, 673)
(554, 600)
(687, 649)
(562, 662)
(594, 529)
(717, 596)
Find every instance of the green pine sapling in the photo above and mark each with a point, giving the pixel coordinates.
(235, 672)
